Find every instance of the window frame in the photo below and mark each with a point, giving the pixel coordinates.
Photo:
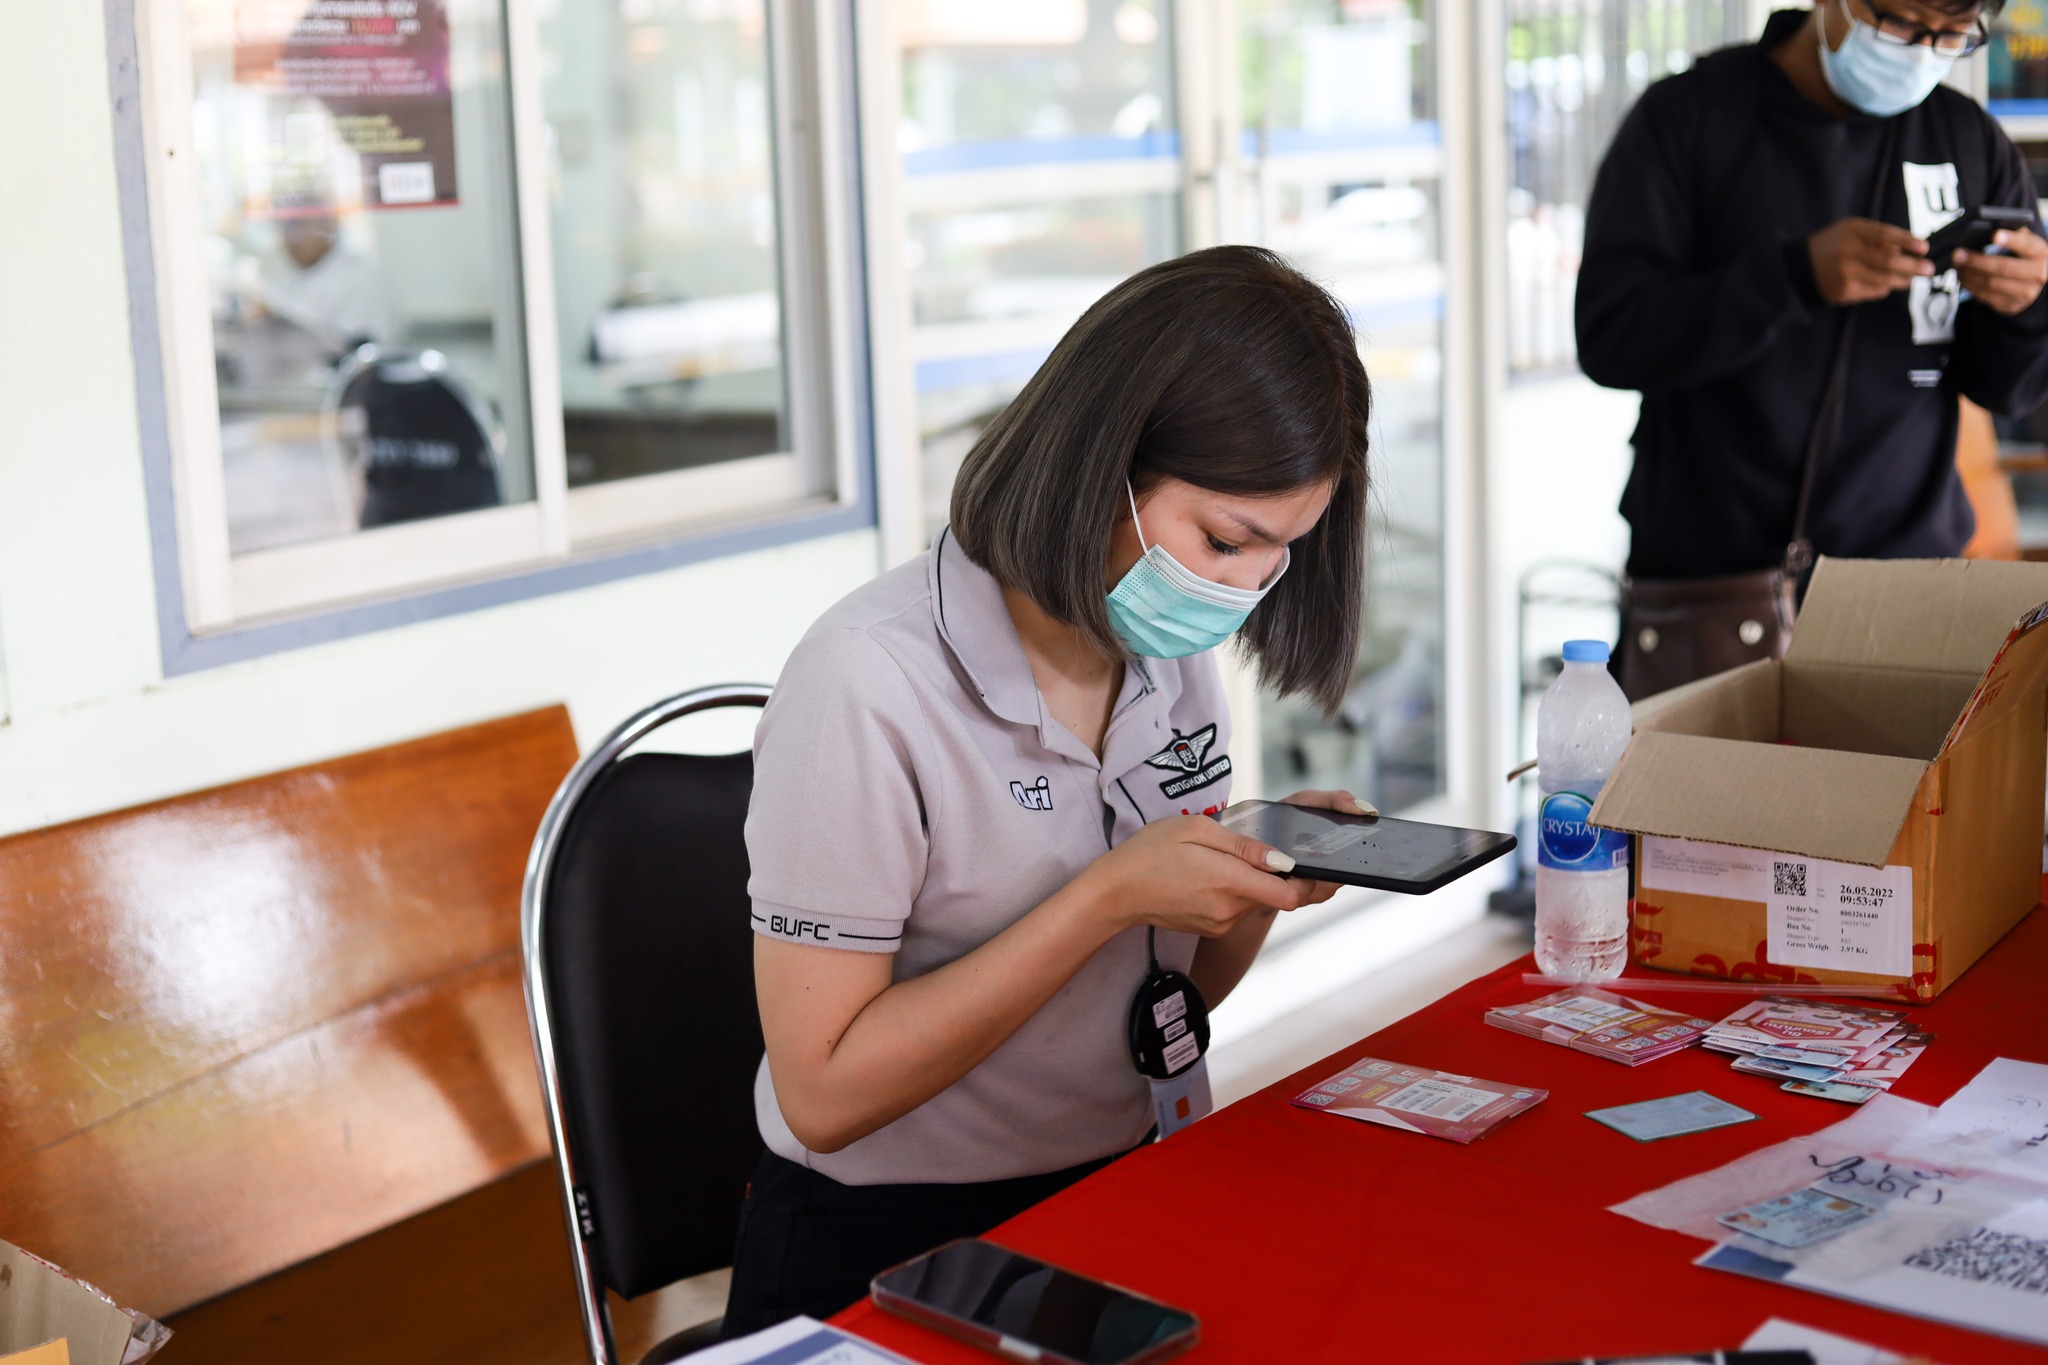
(215, 607)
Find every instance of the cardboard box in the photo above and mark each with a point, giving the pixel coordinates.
(50, 1318)
(1867, 811)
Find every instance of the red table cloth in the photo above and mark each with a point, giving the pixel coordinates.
(1303, 1236)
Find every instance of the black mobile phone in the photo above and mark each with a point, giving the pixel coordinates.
(1367, 850)
(1973, 231)
(1001, 1300)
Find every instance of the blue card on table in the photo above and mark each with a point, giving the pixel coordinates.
(1694, 1112)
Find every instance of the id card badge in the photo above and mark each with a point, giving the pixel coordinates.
(1181, 1100)
(1169, 1032)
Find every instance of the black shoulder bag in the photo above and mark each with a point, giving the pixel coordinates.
(1674, 630)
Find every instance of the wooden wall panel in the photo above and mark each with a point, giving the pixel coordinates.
(242, 1026)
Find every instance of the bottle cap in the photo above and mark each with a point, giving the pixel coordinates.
(1585, 651)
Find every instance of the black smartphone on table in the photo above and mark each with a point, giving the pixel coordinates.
(1376, 851)
(1004, 1301)
(1973, 231)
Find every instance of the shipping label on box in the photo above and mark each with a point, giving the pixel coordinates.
(1841, 916)
(1817, 912)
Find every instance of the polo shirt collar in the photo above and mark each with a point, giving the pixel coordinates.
(973, 620)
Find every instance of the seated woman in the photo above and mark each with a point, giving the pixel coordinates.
(980, 810)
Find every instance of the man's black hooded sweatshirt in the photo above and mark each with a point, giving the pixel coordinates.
(1697, 290)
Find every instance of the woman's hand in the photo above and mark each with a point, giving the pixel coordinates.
(1344, 803)
(1189, 873)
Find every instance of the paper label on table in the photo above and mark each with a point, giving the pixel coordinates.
(1583, 1013)
(1842, 916)
(1741, 874)
(1439, 1100)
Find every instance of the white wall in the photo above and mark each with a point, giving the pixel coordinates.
(87, 721)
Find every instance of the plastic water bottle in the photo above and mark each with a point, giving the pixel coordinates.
(1582, 725)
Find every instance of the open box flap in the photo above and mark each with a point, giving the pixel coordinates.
(2018, 672)
(1742, 703)
(1825, 803)
(1934, 615)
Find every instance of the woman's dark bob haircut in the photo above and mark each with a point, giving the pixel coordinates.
(1227, 369)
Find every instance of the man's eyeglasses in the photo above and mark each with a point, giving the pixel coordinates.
(1906, 33)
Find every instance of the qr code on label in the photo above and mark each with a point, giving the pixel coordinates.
(1997, 1258)
(1788, 879)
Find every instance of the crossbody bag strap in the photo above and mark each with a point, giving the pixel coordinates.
(1827, 417)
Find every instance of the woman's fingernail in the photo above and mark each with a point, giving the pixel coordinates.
(1960, 256)
(1363, 807)
(1279, 861)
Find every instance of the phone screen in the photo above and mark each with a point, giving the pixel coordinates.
(998, 1290)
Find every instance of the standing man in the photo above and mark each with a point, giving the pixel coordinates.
(1757, 266)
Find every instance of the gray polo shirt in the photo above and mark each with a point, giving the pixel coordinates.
(913, 795)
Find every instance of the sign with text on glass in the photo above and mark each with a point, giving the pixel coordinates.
(356, 99)
(2018, 53)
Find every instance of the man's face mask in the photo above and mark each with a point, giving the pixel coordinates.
(1162, 609)
(1876, 76)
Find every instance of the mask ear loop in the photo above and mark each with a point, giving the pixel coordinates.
(1136, 525)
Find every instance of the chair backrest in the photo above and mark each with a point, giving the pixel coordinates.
(640, 984)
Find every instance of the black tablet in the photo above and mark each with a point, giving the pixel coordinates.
(1367, 850)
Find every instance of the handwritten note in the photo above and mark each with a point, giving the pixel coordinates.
(2007, 1097)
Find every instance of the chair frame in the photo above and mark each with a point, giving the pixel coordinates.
(533, 908)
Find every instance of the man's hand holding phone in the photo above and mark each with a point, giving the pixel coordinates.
(2008, 282)
(1857, 260)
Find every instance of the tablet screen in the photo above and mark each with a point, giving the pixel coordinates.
(1366, 850)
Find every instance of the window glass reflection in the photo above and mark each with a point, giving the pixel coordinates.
(354, 182)
(1040, 167)
(1343, 174)
(666, 252)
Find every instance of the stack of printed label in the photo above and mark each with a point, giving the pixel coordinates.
(1838, 1052)
(1602, 1023)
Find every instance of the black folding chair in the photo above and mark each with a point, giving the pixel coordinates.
(640, 991)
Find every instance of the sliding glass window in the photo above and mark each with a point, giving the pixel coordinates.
(452, 288)
(1040, 167)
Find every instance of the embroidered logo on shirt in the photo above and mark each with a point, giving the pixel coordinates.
(1188, 755)
(1035, 797)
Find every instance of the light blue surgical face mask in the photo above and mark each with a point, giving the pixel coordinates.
(1164, 610)
(1875, 76)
